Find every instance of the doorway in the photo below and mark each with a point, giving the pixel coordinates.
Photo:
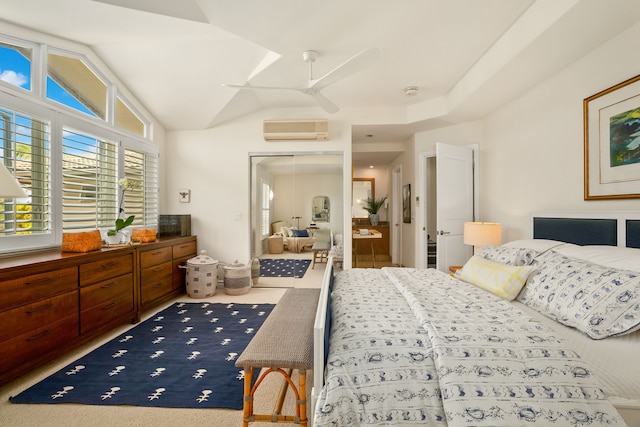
(449, 185)
(285, 189)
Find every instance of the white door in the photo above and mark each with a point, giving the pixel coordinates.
(454, 189)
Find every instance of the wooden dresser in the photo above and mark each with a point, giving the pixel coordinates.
(52, 302)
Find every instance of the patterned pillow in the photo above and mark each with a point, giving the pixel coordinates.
(502, 280)
(597, 300)
(508, 255)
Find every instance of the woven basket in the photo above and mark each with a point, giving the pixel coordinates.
(202, 276)
(143, 235)
(81, 242)
(237, 278)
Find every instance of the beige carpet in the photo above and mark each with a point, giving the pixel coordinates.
(72, 415)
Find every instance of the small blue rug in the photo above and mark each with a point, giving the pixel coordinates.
(283, 267)
(183, 357)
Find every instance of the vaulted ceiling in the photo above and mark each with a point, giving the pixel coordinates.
(466, 58)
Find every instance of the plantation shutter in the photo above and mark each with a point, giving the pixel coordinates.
(89, 174)
(25, 152)
(141, 171)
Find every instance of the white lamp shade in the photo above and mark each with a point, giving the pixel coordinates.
(9, 187)
(479, 234)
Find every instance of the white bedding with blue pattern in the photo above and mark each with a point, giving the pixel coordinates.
(418, 347)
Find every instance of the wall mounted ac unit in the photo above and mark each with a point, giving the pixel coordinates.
(296, 130)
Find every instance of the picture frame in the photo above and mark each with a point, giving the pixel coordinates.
(184, 195)
(406, 204)
(612, 142)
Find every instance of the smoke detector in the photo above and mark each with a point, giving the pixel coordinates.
(411, 90)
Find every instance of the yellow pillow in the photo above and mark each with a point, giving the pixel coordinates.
(502, 280)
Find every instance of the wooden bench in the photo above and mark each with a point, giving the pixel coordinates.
(283, 343)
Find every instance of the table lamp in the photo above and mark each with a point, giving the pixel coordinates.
(9, 187)
(479, 234)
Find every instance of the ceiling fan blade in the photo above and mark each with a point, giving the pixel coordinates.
(325, 103)
(350, 66)
(262, 87)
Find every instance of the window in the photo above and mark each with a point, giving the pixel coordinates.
(266, 201)
(15, 65)
(141, 171)
(24, 150)
(72, 83)
(89, 181)
(128, 119)
(69, 164)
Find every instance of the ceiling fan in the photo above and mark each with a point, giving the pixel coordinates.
(314, 86)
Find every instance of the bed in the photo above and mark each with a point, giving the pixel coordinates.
(403, 346)
(294, 240)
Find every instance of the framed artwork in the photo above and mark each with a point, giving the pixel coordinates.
(184, 195)
(406, 204)
(612, 142)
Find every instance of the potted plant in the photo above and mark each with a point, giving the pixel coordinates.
(373, 206)
(114, 236)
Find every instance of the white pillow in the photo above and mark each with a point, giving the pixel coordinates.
(508, 255)
(597, 300)
(502, 280)
(539, 245)
(608, 256)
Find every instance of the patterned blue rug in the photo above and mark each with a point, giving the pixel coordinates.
(183, 357)
(283, 267)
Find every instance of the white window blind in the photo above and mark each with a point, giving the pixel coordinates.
(24, 151)
(266, 199)
(90, 183)
(141, 171)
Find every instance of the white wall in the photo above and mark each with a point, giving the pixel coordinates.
(294, 195)
(532, 149)
(215, 165)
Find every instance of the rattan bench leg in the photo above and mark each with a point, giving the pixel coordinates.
(300, 398)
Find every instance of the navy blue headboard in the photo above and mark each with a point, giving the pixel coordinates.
(580, 231)
(633, 233)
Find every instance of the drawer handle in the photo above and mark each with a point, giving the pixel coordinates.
(39, 281)
(184, 246)
(107, 307)
(43, 334)
(42, 307)
(109, 264)
(156, 253)
(157, 285)
(108, 285)
(157, 269)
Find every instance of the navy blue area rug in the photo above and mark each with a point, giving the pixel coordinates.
(283, 267)
(182, 357)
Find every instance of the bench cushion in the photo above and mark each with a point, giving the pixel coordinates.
(285, 339)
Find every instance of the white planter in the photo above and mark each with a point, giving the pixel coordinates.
(114, 240)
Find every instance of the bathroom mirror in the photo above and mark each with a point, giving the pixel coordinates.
(320, 209)
(363, 189)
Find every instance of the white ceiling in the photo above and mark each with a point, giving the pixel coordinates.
(466, 57)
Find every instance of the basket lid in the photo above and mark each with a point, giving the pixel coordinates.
(202, 259)
(235, 266)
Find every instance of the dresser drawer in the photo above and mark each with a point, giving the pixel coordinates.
(155, 257)
(152, 290)
(27, 289)
(36, 343)
(106, 310)
(187, 249)
(98, 271)
(29, 317)
(102, 292)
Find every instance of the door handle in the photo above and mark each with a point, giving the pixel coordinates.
(442, 232)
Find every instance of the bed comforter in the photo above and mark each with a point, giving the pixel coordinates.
(418, 347)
